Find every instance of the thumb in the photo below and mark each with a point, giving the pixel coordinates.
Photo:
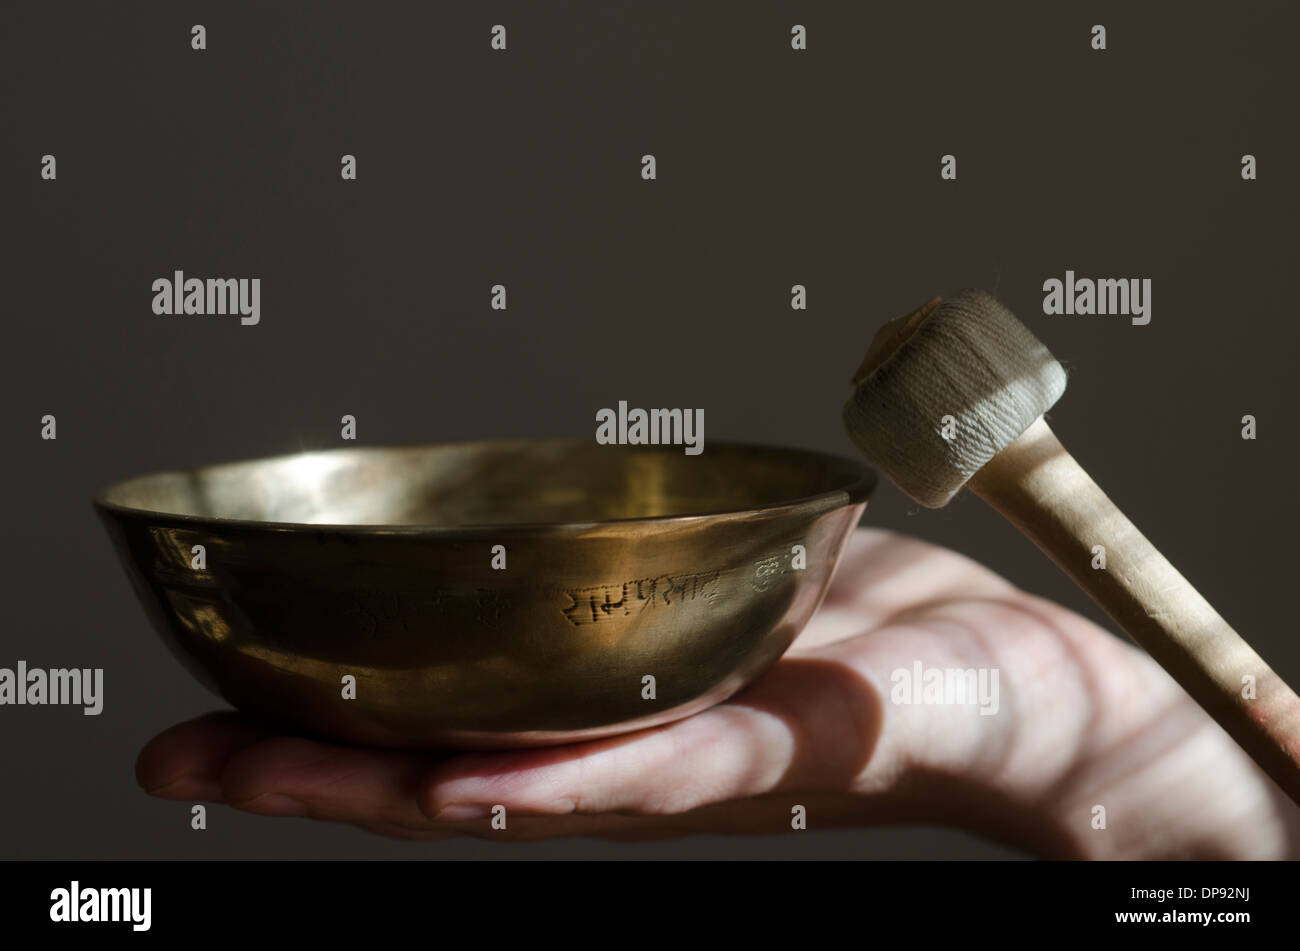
(810, 723)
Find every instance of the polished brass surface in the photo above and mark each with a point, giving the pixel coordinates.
(620, 563)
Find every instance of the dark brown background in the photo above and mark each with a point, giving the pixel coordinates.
(775, 168)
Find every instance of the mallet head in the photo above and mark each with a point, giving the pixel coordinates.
(945, 389)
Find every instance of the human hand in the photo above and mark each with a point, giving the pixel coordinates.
(1083, 720)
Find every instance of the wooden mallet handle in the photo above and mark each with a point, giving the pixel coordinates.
(1045, 493)
(954, 394)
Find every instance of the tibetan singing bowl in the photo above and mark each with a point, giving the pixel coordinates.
(487, 594)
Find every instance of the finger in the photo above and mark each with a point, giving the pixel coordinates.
(881, 574)
(186, 760)
(773, 814)
(813, 722)
(292, 776)
(808, 723)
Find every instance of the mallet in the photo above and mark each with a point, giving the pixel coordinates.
(954, 394)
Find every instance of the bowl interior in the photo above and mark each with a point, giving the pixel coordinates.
(495, 483)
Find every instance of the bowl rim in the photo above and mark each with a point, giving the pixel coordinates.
(857, 490)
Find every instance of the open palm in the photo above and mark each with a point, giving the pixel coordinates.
(1083, 721)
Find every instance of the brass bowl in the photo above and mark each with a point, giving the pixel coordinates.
(621, 563)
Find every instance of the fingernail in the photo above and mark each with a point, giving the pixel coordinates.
(187, 787)
(461, 812)
(272, 804)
